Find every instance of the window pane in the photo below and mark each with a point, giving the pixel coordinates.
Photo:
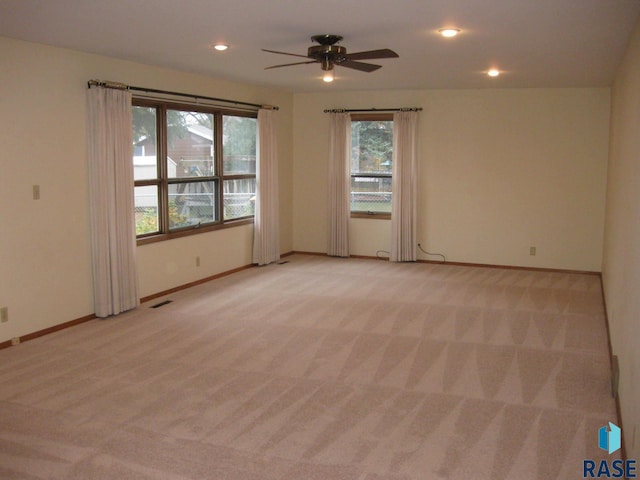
(239, 198)
(371, 146)
(146, 209)
(191, 203)
(239, 144)
(145, 160)
(189, 144)
(371, 194)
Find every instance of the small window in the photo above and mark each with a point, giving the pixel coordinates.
(192, 178)
(145, 170)
(371, 165)
(239, 166)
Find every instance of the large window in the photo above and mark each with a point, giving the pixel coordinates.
(194, 168)
(371, 157)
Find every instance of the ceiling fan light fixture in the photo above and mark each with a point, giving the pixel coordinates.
(493, 72)
(449, 32)
(328, 76)
(221, 47)
(326, 64)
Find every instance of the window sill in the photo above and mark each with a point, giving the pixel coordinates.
(372, 215)
(161, 237)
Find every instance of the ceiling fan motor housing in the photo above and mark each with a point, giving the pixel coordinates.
(326, 39)
(327, 55)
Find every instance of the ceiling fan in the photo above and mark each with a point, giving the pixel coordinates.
(328, 54)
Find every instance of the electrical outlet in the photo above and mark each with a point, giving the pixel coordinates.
(4, 314)
(532, 251)
(197, 261)
(15, 341)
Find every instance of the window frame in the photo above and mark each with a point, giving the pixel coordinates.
(163, 182)
(372, 117)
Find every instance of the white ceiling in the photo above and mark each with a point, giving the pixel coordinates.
(537, 43)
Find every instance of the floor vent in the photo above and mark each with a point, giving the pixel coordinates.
(615, 375)
(161, 304)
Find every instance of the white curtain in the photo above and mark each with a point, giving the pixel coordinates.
(111, 200)
(404, 187)
(266, 229)
(339, 184)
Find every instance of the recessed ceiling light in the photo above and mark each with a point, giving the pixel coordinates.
(449, 32)
(221, 47)
(494, 72)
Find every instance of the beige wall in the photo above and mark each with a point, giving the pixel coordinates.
(621, 266)
(44, 245)
(500, 171)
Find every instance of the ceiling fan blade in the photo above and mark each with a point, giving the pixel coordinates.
(284, 53)
(363, 67)
(371, 54)
(290, 64)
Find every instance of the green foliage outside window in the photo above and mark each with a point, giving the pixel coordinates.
(372, 146)
(147, 221)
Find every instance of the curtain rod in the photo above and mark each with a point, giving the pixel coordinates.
(122, 86)
(347, 110)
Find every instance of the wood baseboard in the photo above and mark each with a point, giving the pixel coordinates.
(46, 331)
(462, 264)
(623, 447)
(512, 267)
(194, 283)
(301, 252)
(86, 318)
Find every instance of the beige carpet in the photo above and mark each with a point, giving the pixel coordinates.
(321, 369)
